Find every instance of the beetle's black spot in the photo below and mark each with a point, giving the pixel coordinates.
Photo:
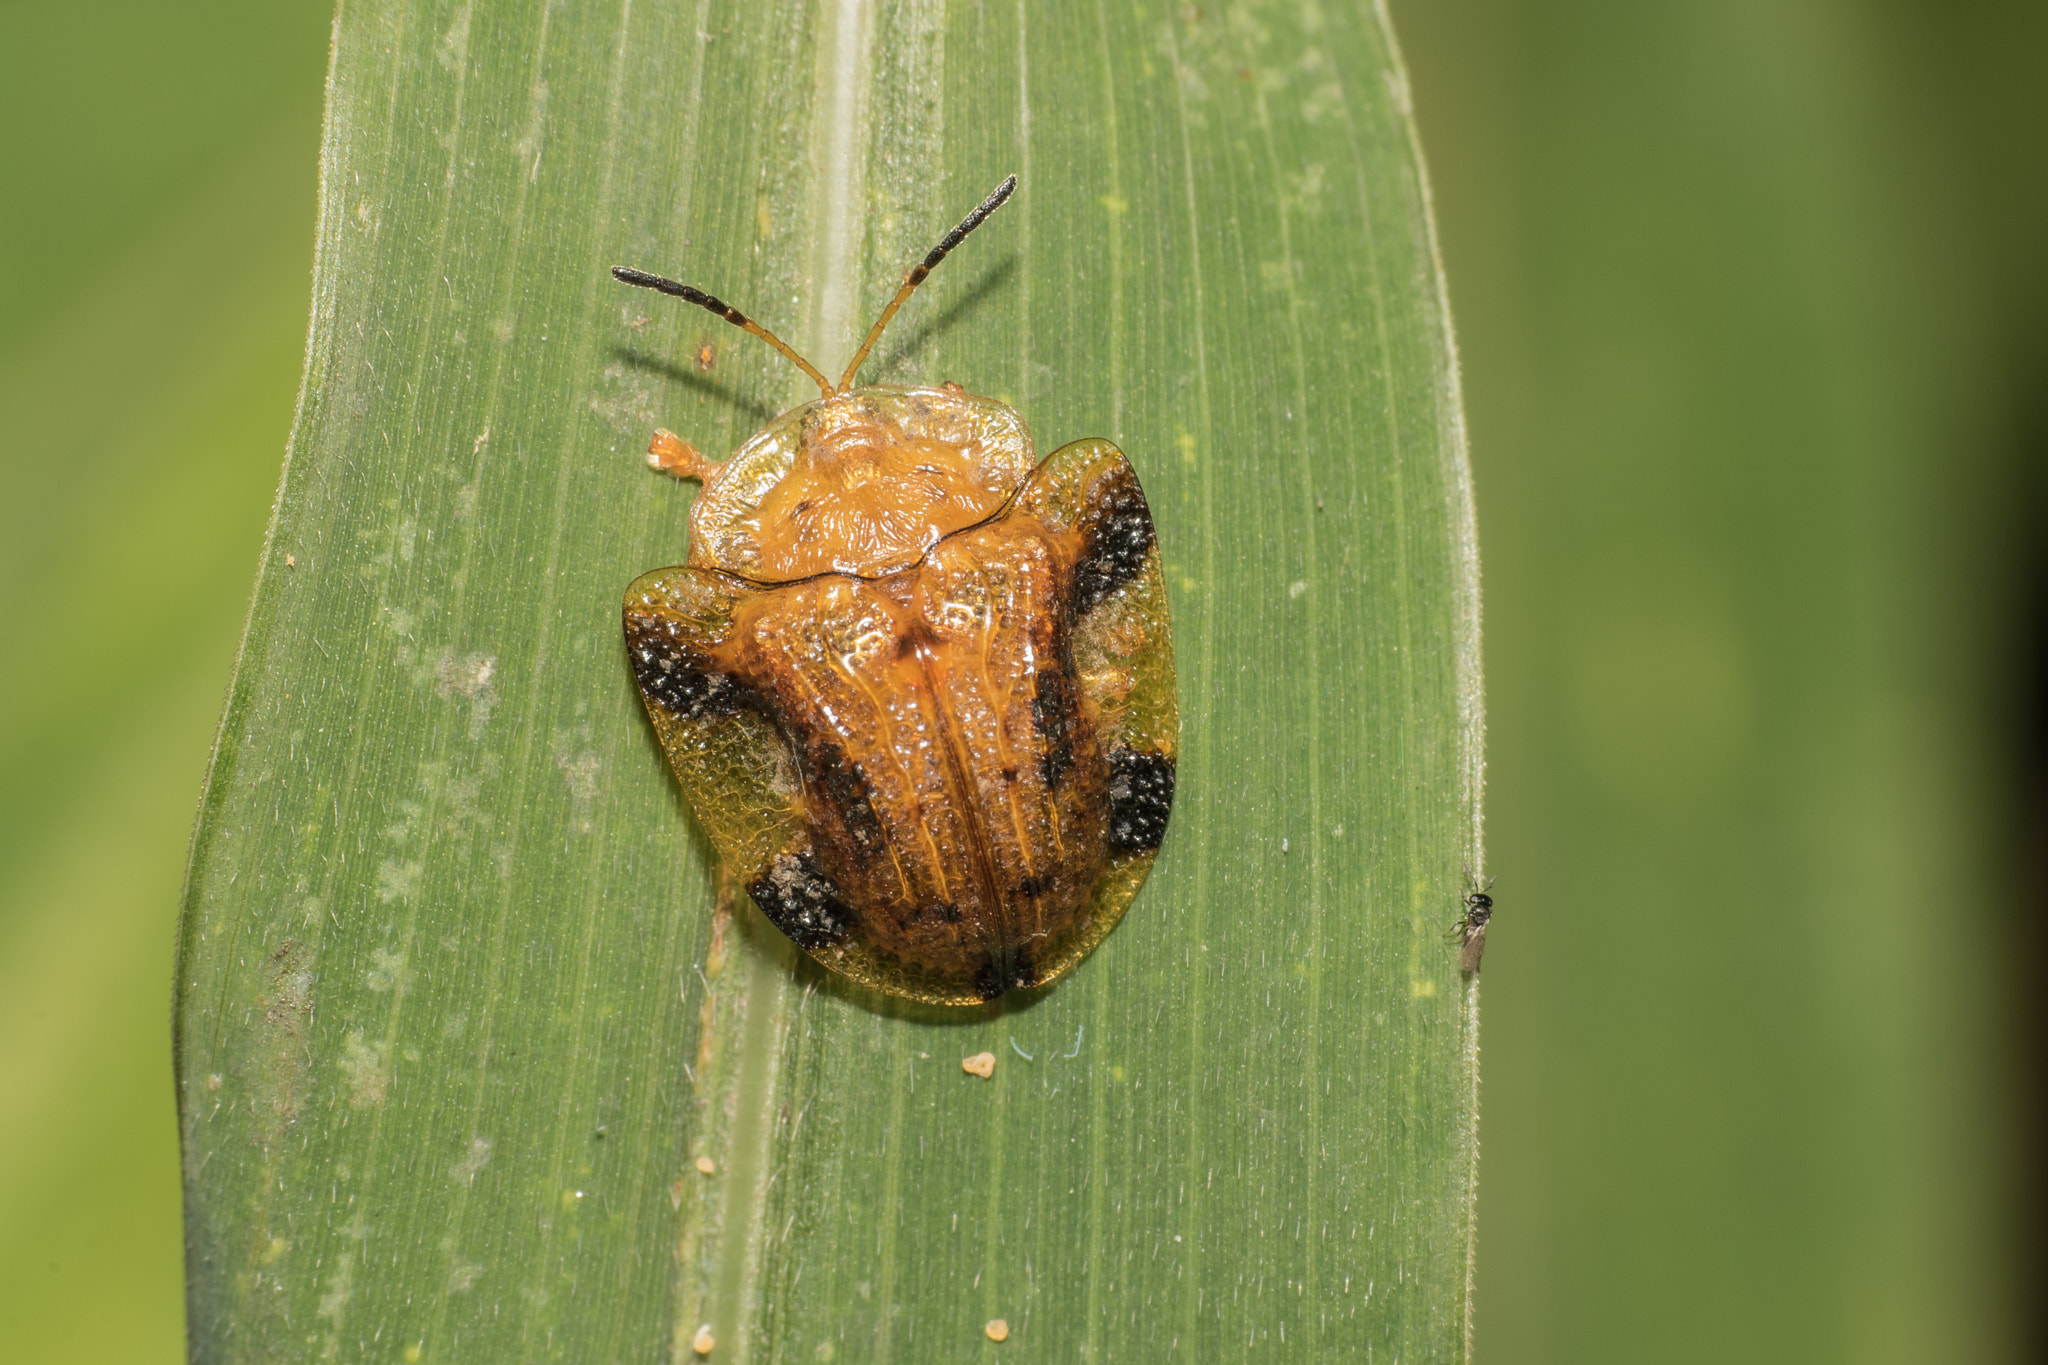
(1140, 799)
(844, 789)
(1056, 714)
(1031, 888)
(800, 900)
(917, 635)
(1023, 972)
(677, 678)
(943, 911)
(1120, 536)
(1016, 970)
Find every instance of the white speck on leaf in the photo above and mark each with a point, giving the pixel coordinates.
(396, 881)
(339, 1289)
(387, 972)
(362, 1063)
(468, 677)
(579, 769)
(453, 49)
(475, 1159)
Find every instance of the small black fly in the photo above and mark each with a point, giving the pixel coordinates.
(1470, 930)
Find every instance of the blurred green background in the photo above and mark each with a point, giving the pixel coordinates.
(1750, 298)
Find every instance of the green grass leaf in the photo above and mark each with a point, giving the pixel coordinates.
(460, 1008)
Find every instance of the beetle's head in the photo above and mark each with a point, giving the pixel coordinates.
(861, 481)
(864, 482)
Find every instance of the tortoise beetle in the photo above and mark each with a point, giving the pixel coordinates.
(917, 685)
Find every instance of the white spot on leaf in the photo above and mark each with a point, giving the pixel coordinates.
(362, 1064)
(475, 1159)
(453, 49)
(387, 972)
(397, 881)
(469, 677)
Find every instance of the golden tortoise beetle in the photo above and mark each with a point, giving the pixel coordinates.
(917, 685)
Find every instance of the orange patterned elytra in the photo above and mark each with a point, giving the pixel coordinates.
(916, 683)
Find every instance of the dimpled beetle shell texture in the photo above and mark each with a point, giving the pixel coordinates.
(918, 687)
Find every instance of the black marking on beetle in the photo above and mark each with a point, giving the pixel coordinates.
(679, 679)
(918, 637)
(945, 912)
(1056, 714)
(1031, 888)
(843, 788)
(1140, 799)
(1120, 536)
(996, 975)
(800, 900)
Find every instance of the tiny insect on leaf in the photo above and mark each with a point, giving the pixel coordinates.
(1470, 930)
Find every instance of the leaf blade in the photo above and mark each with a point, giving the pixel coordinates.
(450, 944)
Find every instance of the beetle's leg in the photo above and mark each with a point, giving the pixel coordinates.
(672, 455)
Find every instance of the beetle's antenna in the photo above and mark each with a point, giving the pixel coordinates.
(925, 267)
(626, 275)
